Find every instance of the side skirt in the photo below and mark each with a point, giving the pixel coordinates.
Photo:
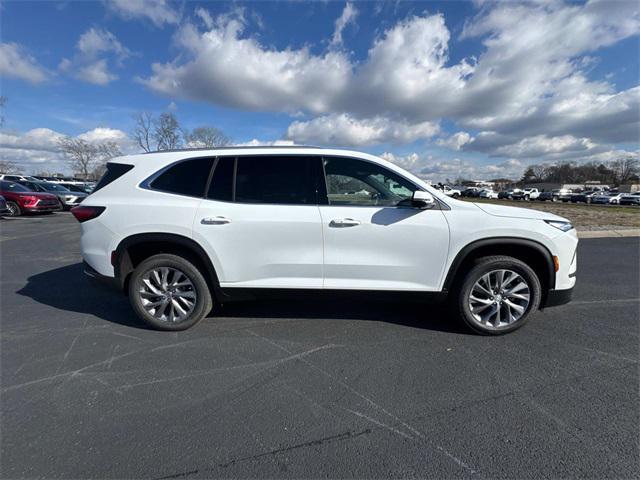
(248, 294)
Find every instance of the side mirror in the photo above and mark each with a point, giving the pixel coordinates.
(422, 199)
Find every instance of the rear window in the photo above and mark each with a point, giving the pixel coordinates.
(188, 177)
(114, 171)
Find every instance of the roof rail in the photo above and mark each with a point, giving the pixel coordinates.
(239, 147)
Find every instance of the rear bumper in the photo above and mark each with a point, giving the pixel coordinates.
(110, 282)
(558, 297)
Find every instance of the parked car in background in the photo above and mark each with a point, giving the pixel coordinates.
(17, 178)
(77, 187)
(526, 194)
(68, 199)
(583, 197)
(505, 194)
(471, 192)
(450, 192)
(22, 200)
(564, 194)
(486, 193)
(549, 196)
(178, 230)
(630, 199)
(601, 198)
(615, 198)
(3, 206)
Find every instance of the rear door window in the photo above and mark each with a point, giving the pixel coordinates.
(221, 187)
(276, 179)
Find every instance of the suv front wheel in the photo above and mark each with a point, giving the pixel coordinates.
(168, 292)
(498, 295)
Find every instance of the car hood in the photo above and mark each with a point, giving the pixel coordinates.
(516, 212)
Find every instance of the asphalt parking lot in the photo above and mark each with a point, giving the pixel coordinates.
(310, 388)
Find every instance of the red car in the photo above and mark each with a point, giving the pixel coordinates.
(21, 200)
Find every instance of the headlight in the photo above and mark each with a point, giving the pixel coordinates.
(564, 226)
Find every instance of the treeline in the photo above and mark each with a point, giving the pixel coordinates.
(625, 169)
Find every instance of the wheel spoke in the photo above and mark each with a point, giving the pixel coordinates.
(176, 305)
(517, 288)
(160, 311)
(151, 287)
(516, 307)
(479, 286)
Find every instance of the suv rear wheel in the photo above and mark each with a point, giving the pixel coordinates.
(498, 295)
(168, 292)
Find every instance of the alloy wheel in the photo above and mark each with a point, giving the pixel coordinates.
(14, 210)
(167, 294)
(499, 298)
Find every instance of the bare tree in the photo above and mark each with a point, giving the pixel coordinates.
(85, 157)
(7, 166)
(624, 168)
(203, 137)
(167, 133)
(142, 131)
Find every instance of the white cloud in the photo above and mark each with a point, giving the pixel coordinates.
(96, 73)
(38, 149)
(542, 145)
(434, 169)
(226, 69)
(348, 16)
(95, 48)
(265, 143)
(16, 62)
(344, 130)
(96, 41)
(529, 80)
(455, 141)
(159, 12)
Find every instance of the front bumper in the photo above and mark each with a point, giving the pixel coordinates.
(558, 297)
(42, 208)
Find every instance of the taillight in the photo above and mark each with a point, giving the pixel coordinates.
(84, 213)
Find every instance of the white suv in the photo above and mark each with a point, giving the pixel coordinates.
(183, 231)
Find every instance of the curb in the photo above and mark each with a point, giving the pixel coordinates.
(635, 232)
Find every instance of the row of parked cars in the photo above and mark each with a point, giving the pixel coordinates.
(600, 196)
(20, 194)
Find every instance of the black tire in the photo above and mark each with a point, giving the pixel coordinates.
(483, 266)
(203, 301)
(526, 197)
(14, 209)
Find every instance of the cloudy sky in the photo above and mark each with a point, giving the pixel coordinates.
(443, 88)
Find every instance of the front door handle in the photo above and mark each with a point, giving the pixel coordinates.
(215, 220)
(344, 222)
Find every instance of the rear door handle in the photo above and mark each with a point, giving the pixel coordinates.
(215, 220)
(344, 222)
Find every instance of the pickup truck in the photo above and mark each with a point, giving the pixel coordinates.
(447, 190)
(526, 194)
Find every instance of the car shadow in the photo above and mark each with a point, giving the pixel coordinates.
(68, 289)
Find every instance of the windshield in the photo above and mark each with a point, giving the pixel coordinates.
(53, 187)
(13, 187)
